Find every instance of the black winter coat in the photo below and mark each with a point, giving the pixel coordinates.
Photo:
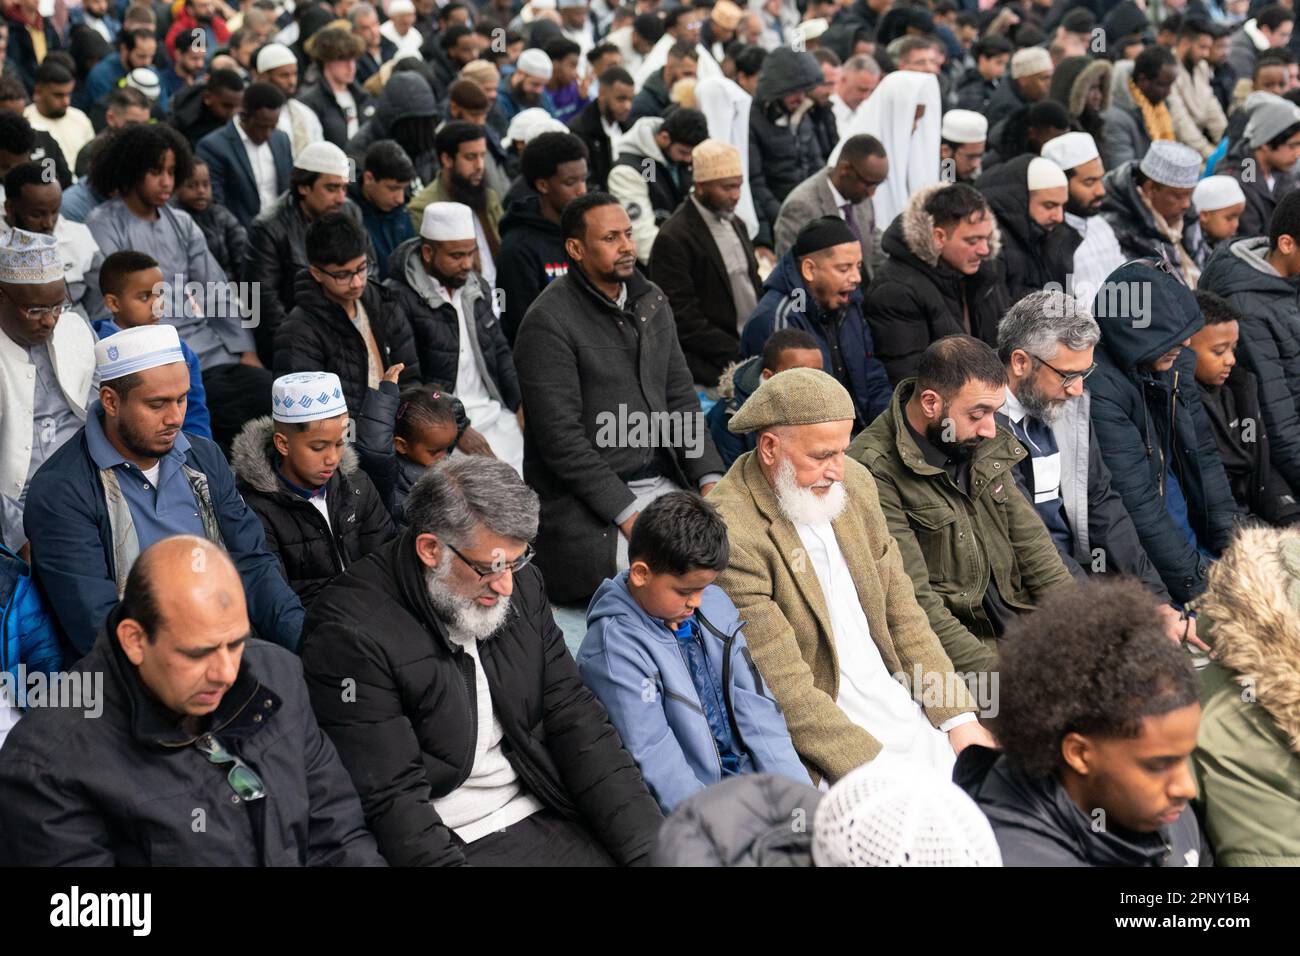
(318, 336)
(532, 255)
(779, 158)
(433, 322)
(311, 551)
(600, 151)
(916, 298)
(1133, 223)
(579, 359)
(409, 736)
(1260, 200)
(334, 124)
(226, 237)
(1149, 422)
(122, 790)
(974, 92)
(1006, 99)
(1033, 256)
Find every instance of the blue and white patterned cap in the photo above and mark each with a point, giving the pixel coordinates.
(136, 350)
(29, 258)
(307, 397)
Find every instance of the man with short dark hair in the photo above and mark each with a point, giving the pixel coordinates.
(656, 93)
(337, 98)
(598, 348)
(471, 736)
(381, 197)
(50, 110)
(602, 122)
(1198, 119)
(136, 48)
(187, 65)
(249, 159)
(1269, 29)
(200, 109)
(1262, 163)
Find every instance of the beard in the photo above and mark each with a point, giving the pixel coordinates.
(1043, 409)
(140, 444)
(462, 190)
(529, 100)
(1072, 206)
(956, 450)
(803, 505)
(461, 614)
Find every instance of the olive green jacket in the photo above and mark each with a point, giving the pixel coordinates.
(951, 543)
(773, 583)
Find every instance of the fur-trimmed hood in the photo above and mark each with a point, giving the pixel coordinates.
(918, 227)
(1073, 78)
(1252, 604)
(253, 457)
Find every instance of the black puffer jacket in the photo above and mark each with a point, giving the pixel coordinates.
(1133, 222)
(122, 790)
(318, 336)
(311, 551)
(226, 237)
(406, 96)
(1032, 255)
(781, 158)
(418, 305)
(742, 821)
(333, 122)
(408, 738)
(917, 298)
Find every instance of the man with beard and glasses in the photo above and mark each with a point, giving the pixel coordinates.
(130, 478)
(469, 732)
(830, 615)
(978, 553)
(462, 158)
(1098, 255)
(1046, 342)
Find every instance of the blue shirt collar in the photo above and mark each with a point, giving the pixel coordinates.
(102, 452)
(299, 490)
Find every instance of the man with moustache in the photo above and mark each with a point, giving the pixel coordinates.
(131, 477)
(1098, 255)
(194, 712)
(468, 731)
(977, 551)
(831, 618)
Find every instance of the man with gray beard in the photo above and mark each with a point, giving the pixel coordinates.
(1046, 344)
(437, 670)
(831, 618)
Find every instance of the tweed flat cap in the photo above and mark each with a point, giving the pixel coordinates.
(798, 396)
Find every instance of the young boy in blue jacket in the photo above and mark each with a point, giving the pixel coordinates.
(665, 655)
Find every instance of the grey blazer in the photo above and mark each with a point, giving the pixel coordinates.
(812, 199)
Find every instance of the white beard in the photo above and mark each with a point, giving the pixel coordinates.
(462, 615)
(803, 505)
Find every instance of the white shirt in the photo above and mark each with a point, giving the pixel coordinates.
(1095, 258)
(470, 387)
(843, 114)
(320, 503)
(412, 42)
(1047, 467)
(300, 123)
(151, 474)
(262, 160)
(71, 131)
(348, 104)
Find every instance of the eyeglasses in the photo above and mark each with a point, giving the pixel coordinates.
(497, 568)
(242, 778)
(1068, 378)
(41, 312)
(349, 276)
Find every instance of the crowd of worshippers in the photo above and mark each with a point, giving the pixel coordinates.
(896, 405)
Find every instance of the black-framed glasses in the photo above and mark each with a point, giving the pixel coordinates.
(1068, 378)
(497, 567)
(242, 778)
(347, 277)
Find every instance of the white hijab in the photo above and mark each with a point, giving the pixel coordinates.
(889, 114)
(726, 106)
(654, 61)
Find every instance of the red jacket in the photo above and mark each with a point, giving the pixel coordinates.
(184, 21)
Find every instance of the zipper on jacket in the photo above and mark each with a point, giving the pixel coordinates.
(728, 642)
(687, 661)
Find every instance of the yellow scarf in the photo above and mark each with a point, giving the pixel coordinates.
(1159, 124)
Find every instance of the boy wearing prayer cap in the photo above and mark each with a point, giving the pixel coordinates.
(1263, 166)
(132, 477)
(1098, 254)
(299, 474)
(1219, 203)
(962, 136)
(1145, 201)
(47, 363)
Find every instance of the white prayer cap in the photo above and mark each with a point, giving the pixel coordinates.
(1071, 150)
(534, 62)
(273, 56)
(527, 125)
(135, 350)
(814, 28)
(307, 397)
(145, 80)
(1217, 192)
(29, 258)
(447, 222)
(1030, 60)
(900, 814)
(1044, 174)
(323, 157)
(964, 126)
(398, 7)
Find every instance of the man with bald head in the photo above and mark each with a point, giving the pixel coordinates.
(131, 477)
(831, 618)
(206, 752)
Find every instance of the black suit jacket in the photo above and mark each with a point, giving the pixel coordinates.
(600, 151)
(233, 183)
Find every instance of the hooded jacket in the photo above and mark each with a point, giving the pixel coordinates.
(532, 255)
(121, 790)
(318, 336)
(626, 651)
(1033, 256)
(1132, 221)
(1037, 823)
(1247, 757)
(1072, 79)
(1269, 344)
(406, 96)
(419, 305)
(738, 381)
(408, 737)
(649, 200)
(788, 302)
(917, 298)
(1149, 423)
(783, 148)
(311, 549)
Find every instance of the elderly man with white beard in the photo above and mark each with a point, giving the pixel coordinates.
(437, 670)
(831, 618)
